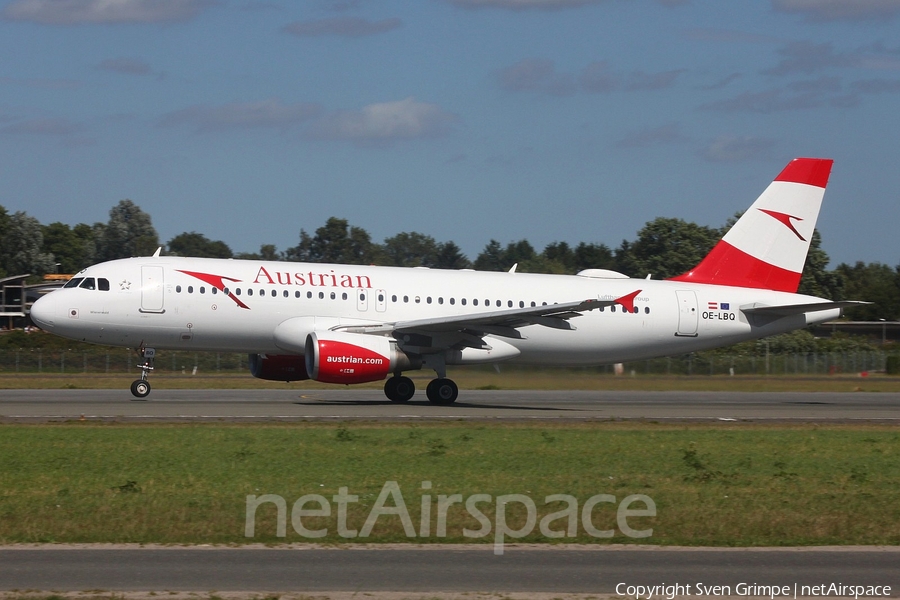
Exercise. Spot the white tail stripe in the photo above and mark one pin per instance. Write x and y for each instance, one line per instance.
(764, 236)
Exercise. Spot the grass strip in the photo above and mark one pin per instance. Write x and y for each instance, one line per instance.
(727, 485)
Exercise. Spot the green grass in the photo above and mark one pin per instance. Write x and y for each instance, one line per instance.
(732, 485)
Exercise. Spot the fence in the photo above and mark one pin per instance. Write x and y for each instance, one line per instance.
(120, 360)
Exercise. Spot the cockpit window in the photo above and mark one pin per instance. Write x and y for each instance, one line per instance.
(73, 282)
(103, 284)
(88, 283)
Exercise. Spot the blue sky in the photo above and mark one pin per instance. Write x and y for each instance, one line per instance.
(467, 120)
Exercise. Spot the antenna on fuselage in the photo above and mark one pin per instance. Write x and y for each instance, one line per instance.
(156, 254)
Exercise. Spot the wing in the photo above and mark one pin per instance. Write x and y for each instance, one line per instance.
(460, 331)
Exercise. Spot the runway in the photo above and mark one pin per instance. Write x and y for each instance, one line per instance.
(368, 404)
(438, 569)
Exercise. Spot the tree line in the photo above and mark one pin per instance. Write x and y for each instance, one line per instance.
(664, 247)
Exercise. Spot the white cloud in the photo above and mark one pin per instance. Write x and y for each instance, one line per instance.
(42, 126)
(666, 134)
(77, 12)
(385, 122)
(768, 101)
(523, 4)
(266, 114)
(839, 10)
(126, 66)
(341, 26)
(535, 75)
(737, 149)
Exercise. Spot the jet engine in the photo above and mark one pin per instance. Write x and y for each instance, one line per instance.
(278, 367)
(338, 357)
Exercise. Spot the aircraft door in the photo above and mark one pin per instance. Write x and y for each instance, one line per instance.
(688, 315)
(152, 289)
(380, 300)
(362, 300)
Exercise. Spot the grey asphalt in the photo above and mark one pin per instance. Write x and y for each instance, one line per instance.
(435, 569)
(349, 403)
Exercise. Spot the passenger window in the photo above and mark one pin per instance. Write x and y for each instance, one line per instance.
(463, 301)
(428, 299)
(286, 294)
(418, 299)
(521, 304)
(202, 290)
(309, 294)
(73, 283)
(237, 292)
(177, 289)
(452, 301)
(498, 303)
(296, 294)
(103, 284)
(475, 302)
(249, 291)
(509, 303)
(321, 295)
(406, 298)
(612, 308)
(214, 291)
(190, 289)
(225, 291)
(393, 298)
(88, 283)
(333, 295)
(646, 310)
(274, 293)
(344, 296)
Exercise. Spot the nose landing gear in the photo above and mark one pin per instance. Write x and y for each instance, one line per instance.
(140, 388)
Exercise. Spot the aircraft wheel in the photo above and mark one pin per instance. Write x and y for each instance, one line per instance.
(442, 391)
(140, 388)
(399, 389)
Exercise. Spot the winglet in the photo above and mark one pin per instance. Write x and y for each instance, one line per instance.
(627, 302)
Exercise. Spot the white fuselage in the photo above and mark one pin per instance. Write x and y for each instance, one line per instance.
(182, 304)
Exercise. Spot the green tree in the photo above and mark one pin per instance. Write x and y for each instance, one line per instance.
(410, 250)
(496, 258)
(4, 227)
(128, 233)
(336, 242)
(73, 248)
(666, 247)
(816, 281)
(593, 256)
(21, 247)
(197, 244)
(872, 282)
(450, 256)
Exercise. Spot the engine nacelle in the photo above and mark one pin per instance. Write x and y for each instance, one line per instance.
(279, 367)
(338, 357)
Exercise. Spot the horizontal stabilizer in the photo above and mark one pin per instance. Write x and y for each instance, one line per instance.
(798, 309)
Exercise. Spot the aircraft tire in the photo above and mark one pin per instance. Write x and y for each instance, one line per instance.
(442, 391)
(399, 389)
(140, 388)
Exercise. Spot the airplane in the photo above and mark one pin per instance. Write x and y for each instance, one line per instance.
(348, 324)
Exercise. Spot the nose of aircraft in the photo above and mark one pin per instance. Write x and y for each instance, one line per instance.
(43, 311)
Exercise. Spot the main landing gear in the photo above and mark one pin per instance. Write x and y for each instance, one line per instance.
(140, 388)
(441, 391)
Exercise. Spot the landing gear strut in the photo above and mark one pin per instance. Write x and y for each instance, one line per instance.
(141, 387)
(399, 388)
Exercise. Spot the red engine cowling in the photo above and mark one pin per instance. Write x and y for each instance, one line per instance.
(337, 357)
(278, 367)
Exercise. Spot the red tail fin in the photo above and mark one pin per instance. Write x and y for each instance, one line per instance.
(767, 247)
